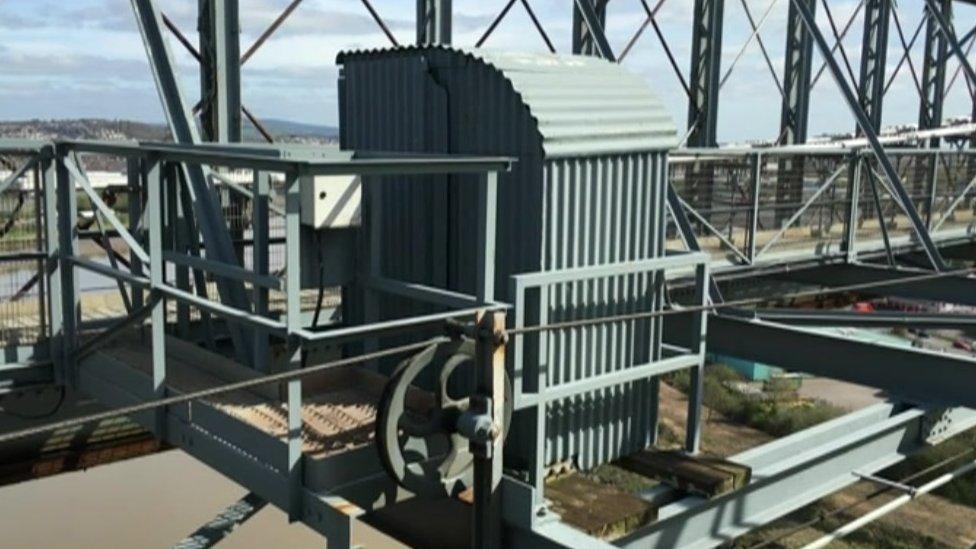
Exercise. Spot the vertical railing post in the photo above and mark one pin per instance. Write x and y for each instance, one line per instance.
(853, 205)
(67, 236)
(489, 399)
(53, 267)
(176, 219)
(134, 198)
(373, 264)
(487, 218)
(260, 259)
(696, 390)
(538, 470)
(293, 288)
(757, 160)
(154, 212)
(42, 315)
(932, 187)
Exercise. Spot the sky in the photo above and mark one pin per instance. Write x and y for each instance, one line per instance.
(84, 58)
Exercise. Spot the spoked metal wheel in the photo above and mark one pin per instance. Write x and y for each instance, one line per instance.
(424, 452)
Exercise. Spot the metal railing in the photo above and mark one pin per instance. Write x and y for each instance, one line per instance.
(756, 206)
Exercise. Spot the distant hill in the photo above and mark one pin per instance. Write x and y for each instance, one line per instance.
(284, 131)
(288, 128)
(84, 128)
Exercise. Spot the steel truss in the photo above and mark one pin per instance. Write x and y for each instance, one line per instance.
(788, 473)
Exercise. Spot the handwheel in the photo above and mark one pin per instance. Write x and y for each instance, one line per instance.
(426, 453)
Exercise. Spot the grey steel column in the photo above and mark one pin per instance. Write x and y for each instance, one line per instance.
(795, 113)
(796, 79)
(434, 22)
(67, 236)
(134, 179)
(943, 18)
(220, 71)
(706, 61)
(210, 218)
(934, 53)
(261, 263)
(54, 265)
(874, 47)
(583, 43)
(154, 213)
(293, 315)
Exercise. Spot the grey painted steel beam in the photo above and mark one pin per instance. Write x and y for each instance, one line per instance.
(912, 375)
(583, 43)
(949, 34)
(794, 471)
(877, 319)
(213, 532)
(687, 233)
(17, 376)
(434, 22)
(934, 50)
(874, 49)
(186, 428)
(949, 289)
(50, 171)
(705, 75)
(796, 79)
(220, 70)
(890, 172)
(216, 236)
(65, 295)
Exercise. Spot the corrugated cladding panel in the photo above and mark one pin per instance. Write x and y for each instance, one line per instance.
(588, 189)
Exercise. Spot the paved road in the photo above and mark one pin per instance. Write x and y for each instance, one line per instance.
(840, 393)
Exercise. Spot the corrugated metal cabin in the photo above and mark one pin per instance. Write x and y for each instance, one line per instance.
(588, 189)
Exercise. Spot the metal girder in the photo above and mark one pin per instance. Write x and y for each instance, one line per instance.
(434, 22)
(220, 71)
(795, 112)
(877, 319)
(796, 79)
(919, 226)
(213, 532)
(949, 289)
(949, 34)
(589, 20)
(934, 52)
(874, 48)
(910, 375)
(216, 236)
(706, 61)
(15, 376)
(795, 471)
(687, 232)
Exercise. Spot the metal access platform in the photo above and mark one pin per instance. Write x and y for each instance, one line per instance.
(290, 398)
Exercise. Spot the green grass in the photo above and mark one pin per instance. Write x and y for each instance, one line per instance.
(778, 416)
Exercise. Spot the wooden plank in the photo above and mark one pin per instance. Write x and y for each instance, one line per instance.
(598, 509)
(705, 476)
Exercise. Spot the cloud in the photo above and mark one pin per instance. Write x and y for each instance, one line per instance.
(85, 57)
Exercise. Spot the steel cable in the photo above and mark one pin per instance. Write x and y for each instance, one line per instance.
(221, 389)
(735, 303)
(393, 351)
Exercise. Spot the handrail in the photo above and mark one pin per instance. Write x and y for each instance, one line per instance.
(198, 155)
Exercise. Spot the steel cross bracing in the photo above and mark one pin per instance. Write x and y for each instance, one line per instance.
(864, 442)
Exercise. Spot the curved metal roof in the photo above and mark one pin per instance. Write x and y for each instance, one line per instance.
(581, 105)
